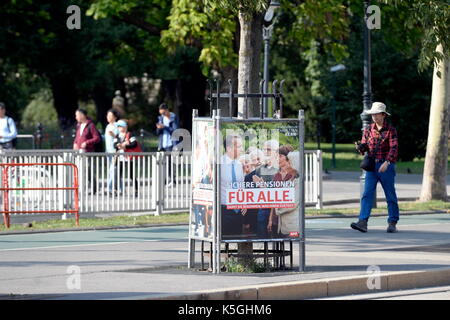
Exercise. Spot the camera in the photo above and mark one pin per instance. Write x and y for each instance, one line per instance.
(361, 147)
(116, 143)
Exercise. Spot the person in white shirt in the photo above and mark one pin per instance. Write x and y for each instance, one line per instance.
(111, 131)
(231, 172)
(8, 130)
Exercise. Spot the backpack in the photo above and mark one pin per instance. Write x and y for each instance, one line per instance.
(100, 146)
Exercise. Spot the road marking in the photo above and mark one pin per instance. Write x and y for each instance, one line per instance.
(93, 244)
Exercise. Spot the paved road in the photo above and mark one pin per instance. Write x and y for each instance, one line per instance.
(134, 263)
(434, 293)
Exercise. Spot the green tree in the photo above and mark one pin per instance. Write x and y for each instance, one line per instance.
(433, 17)
(183, 85)
(77, 65)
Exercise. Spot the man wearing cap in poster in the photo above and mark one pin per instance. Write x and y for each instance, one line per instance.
(380, 141)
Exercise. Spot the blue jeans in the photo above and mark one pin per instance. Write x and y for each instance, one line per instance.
(387, 180)
(111, 173)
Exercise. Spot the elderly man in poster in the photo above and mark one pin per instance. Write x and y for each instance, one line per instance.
(231, 173)
(265, 173)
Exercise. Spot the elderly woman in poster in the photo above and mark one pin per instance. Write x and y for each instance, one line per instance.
(286, 219)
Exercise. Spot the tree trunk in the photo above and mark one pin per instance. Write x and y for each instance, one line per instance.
(435, 171)
(65, 99)
(248, 72)
(249, 61)
(103, 102)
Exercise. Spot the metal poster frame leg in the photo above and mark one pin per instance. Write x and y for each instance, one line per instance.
(301, 132)
(191, 261)
(216, 187)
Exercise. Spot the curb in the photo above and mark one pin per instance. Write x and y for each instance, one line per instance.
(380, 214)
(323, 288)
(321, 216)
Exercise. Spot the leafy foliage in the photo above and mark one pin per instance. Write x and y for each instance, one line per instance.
(211, 29)
(433, 17)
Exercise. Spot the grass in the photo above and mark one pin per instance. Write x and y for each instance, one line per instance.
(101, 222)
(232, 264)
(434, 205)
(347, 159)
(184, 217)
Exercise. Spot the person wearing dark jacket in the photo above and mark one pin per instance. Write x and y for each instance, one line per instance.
(86, 137)
(167, 123)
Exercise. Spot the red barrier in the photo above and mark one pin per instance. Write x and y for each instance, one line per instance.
(6, 190)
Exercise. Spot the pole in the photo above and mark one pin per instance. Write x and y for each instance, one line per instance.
(191, 250)
(301, 221)
(267, 35)
(367, 93)
(333, 123)
(217, 215)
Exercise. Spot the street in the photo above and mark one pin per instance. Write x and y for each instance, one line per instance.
(146, 262)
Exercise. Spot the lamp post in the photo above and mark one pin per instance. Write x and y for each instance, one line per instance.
(367, 91)
(269, 21)
(336, 68)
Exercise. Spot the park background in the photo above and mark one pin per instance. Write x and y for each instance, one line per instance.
(158, 51)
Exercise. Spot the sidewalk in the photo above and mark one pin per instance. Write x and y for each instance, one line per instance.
(342, 188)
(150, 263)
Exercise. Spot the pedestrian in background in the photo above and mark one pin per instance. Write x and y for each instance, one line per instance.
(8, 130)
(86, 137)
(124, 142)
(111, 131)
(167, 123)
(380, 141)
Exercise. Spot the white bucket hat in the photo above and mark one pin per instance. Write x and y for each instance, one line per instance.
(378, 107)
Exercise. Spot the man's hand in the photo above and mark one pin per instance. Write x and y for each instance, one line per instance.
(83, 145)
(269, 225)
(383, 167)
(159, 125)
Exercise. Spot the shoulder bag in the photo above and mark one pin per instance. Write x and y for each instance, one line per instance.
(368, 162)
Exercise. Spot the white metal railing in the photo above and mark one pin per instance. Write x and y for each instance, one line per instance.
(155, 182)
(313, 178)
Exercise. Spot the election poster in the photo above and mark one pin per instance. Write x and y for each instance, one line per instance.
(259, 180)
(202, 180)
